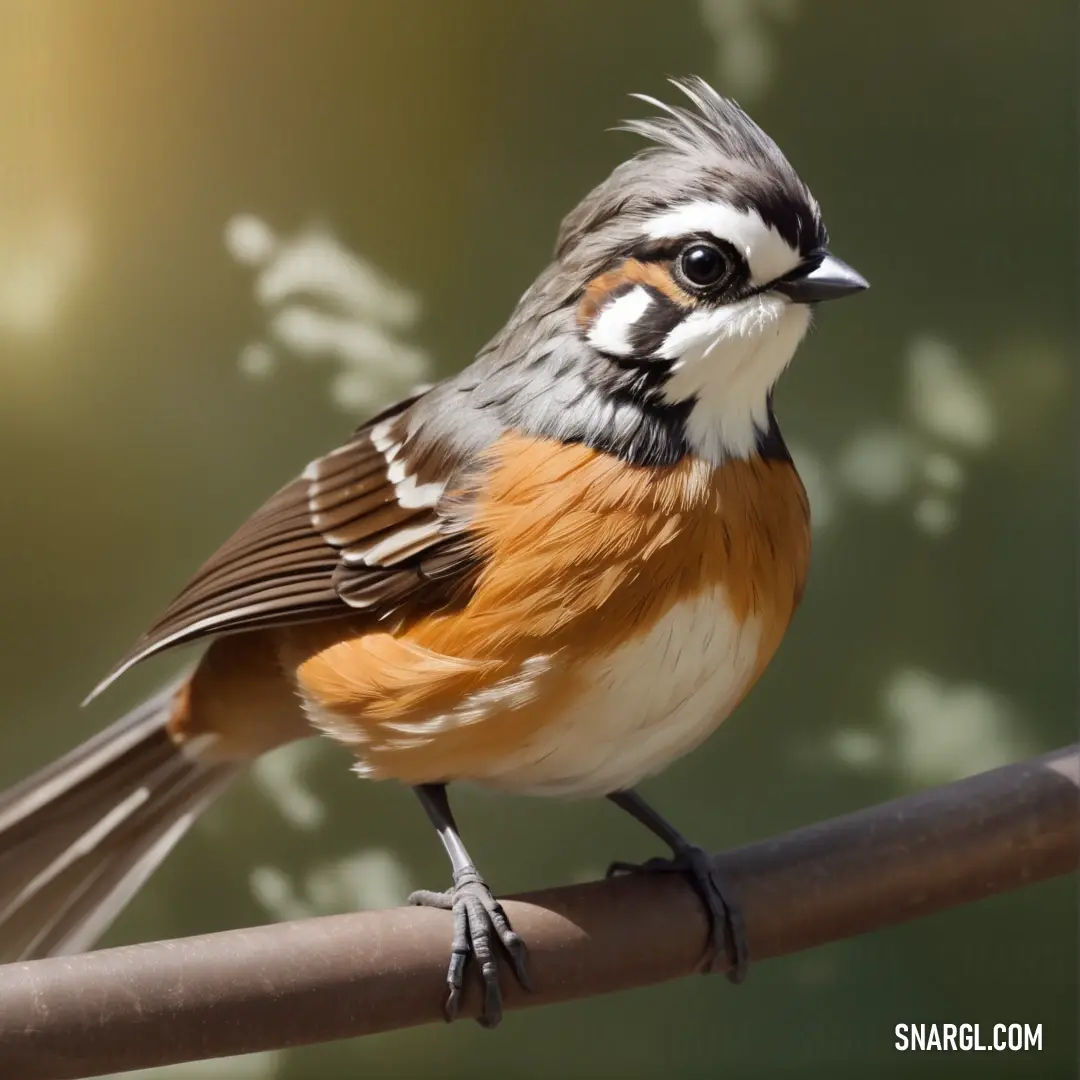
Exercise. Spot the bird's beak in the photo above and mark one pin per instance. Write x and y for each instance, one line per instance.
(821, 278)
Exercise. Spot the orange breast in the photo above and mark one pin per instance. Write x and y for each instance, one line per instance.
(583, 556)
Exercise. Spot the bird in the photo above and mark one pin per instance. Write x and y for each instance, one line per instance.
(552, 573)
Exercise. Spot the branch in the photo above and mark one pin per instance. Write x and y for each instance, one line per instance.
(346, 975)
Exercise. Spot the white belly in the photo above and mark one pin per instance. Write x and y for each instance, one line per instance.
(655, 699)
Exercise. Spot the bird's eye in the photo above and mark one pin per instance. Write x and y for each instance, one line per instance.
(703, 265)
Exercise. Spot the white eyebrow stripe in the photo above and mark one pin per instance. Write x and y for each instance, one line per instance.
(768, 254)
(610, 333)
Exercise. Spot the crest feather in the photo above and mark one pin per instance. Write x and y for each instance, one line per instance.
(707, 148)
(714, 122)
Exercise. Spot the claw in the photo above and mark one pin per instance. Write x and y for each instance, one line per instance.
(519, 958)
(477, 917)
(723, 909)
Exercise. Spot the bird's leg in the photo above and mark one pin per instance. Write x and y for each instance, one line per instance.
(478, 916)
(723, 908)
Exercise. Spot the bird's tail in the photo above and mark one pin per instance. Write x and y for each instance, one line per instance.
(78, 839)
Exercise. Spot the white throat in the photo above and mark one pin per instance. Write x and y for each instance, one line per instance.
(727, 360)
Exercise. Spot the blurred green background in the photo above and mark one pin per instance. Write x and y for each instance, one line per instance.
(228, 228)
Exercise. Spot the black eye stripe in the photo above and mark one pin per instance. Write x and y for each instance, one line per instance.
(669, 249)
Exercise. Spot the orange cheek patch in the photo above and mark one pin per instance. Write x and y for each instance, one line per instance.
(630, 272)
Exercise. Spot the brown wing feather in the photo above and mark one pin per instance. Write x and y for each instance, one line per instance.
(359, 531)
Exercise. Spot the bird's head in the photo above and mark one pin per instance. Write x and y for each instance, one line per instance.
(694, 267)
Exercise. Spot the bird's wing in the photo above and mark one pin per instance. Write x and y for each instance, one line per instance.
(362, 530)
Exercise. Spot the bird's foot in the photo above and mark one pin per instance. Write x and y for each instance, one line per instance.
(723, 909)
(478, 918)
